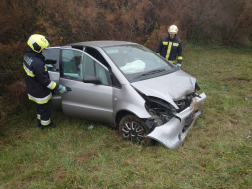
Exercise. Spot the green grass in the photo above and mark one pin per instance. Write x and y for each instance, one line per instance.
(216, 154)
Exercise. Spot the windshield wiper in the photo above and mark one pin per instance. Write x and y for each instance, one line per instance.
(151, 72)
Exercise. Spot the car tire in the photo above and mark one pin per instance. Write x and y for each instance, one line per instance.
(134, 129)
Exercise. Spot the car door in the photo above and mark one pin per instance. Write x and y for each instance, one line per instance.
(86, 100)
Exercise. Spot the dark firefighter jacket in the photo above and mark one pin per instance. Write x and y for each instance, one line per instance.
(38, 83)
(170, 48)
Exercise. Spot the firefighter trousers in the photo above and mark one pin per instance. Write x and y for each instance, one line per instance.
(44, 114)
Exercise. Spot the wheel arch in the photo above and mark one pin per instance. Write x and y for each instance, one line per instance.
(120, 114)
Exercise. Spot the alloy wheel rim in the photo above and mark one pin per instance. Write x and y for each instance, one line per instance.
(133, 131)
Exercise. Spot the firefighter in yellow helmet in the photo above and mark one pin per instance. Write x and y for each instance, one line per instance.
(170, 47)
(38, 83)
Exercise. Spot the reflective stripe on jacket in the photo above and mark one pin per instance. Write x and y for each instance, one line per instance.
(38, 83)
(170, 48)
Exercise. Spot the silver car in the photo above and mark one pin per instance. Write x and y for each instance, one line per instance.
(127, 86)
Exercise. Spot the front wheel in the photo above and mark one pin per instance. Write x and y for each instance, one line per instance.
(134, 129)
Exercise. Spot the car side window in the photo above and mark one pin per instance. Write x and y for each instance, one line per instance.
(101, 72)
(97, 55)
(91, 67)
(71, 61)
(77, 65)
(52, 54)
(88, 66)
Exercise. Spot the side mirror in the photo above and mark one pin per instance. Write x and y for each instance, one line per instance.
(92, 79)
(50, 61)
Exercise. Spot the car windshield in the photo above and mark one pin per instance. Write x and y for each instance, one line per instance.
(137, 61)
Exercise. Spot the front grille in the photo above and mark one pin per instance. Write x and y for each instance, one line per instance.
(188, 121)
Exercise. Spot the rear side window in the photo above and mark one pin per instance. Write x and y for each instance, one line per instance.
(52, 54)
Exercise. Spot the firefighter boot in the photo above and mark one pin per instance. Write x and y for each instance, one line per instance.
(51, 125)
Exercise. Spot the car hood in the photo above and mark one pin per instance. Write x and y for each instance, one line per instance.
(168, 87)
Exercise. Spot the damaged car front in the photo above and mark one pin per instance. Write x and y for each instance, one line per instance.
(170, 125)
(169, 93)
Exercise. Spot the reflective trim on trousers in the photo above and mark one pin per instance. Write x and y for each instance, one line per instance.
(40, 100)
(47, 122)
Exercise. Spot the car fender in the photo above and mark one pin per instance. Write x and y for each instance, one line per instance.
(128, 99)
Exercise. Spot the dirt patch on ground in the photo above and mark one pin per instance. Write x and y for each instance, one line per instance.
(86, 157)
(236, 79)
(60, 174)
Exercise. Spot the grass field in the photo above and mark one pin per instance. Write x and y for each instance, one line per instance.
(217, 153)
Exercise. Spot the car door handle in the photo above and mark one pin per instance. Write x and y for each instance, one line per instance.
(68, 89)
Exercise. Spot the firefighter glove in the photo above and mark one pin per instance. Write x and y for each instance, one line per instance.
(62, 89)
(178, 65)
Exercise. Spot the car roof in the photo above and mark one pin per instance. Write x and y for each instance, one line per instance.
(102, 43)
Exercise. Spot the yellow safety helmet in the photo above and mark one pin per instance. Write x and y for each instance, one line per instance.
(173, 29)
(38, 42)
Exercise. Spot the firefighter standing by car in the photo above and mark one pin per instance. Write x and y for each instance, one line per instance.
(38, 83)
(169, 47)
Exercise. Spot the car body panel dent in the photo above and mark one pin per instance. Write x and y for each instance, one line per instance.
(173, 133)
(167, 87)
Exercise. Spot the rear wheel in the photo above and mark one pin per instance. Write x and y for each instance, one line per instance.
(134, 129)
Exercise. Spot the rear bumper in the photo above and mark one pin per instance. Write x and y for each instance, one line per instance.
(173, 133)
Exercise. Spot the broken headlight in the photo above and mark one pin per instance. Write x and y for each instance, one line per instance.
(185, 101)
(160, 111)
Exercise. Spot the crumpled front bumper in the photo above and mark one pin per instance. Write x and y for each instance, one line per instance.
(173, 133)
